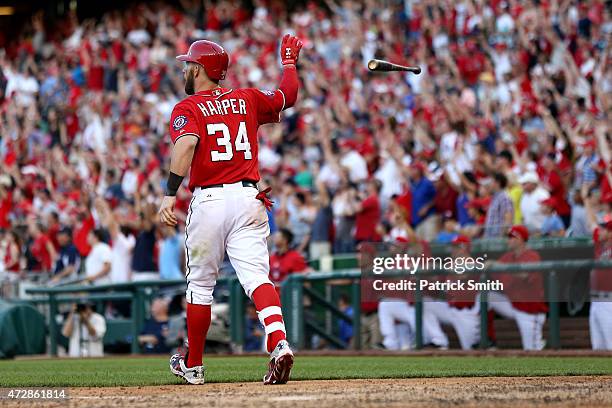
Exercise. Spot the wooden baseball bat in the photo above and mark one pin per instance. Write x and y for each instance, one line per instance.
(386, 66)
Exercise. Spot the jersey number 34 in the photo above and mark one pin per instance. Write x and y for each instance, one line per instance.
(225, 140)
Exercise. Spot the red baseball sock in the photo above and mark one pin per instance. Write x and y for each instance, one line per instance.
(198, 322)
(267, 304)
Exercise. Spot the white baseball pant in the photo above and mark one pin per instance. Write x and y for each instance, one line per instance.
(391, 311)
(530, 326)
(435, 313)
(405, 336)
(393, 314)
(500, 303)
(600, 325)
(221, 219)
(466, 323)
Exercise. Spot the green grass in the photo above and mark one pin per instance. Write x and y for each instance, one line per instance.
(154, 370)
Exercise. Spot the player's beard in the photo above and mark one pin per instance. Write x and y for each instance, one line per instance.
(190, 83)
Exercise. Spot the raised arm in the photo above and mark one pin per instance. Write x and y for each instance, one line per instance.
(107, 218)
(271, 103)
(288, 88)
(324, 198)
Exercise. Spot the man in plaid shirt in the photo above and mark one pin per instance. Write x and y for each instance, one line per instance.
(501, 212)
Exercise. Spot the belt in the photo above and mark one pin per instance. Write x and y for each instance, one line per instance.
(245, 183)
(601, 295)
(462, 307)
(461, 304)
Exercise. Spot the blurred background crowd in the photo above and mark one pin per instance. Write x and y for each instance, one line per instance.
(508, 124)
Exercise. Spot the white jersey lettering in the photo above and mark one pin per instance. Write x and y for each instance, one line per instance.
(234, 106)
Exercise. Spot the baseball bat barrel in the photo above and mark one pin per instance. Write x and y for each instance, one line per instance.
(386, 66)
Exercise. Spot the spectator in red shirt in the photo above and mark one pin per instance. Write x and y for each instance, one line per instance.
(12, 251)
(446, 197)
(6, 200)
(285, 261)
(86, 224)
(42, 250)
(553, 183)
(53, 229)
(368, 213)
(470, 62)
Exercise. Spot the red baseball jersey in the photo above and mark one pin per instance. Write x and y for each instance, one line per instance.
(462, 299)
(525, 290)
(225, 121)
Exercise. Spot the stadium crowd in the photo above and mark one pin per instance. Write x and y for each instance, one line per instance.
(508, 124)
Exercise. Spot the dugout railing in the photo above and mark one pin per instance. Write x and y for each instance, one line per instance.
(309, 300)
(137, 293)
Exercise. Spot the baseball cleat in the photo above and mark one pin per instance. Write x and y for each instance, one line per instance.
(193, 375)
(281, 361)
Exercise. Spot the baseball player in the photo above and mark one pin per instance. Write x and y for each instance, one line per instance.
(464, 310)
(525, 290)
(600, 314)
(214, 132)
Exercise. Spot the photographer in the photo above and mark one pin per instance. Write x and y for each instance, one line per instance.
(84, 329)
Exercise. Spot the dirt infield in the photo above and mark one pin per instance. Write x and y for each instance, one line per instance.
(457, 353)
(591, 391)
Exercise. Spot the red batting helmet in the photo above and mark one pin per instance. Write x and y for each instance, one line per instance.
(209, 55)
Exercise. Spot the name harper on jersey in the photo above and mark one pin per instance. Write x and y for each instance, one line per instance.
(223, 107)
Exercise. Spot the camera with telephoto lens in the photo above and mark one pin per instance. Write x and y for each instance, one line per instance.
(81, 307)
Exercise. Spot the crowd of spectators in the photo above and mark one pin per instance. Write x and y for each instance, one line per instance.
(509, 123)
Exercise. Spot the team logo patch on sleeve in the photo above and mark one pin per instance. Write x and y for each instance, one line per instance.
(267, 92)
(179, 122)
